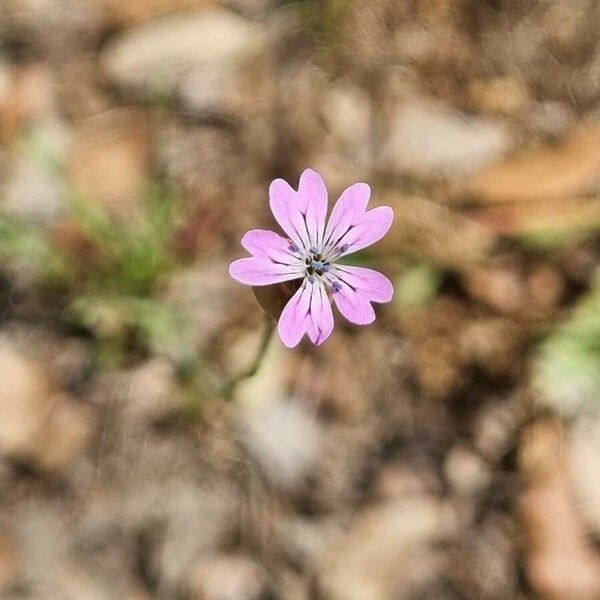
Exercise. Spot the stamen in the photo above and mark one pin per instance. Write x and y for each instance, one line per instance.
(311, 278)
(336, 286)
(293, 247)
(335, 253)
(313, 250)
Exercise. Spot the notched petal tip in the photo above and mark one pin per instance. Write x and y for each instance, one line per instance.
(382, 291)
(233, 269)
(308, 172)
(390, 294)
(280, 186)
(289, 338)
(358, 193)
(385, 216)
(287, 343)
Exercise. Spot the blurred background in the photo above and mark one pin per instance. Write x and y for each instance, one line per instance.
(451, 451)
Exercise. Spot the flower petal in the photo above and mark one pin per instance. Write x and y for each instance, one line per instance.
(351, 227)
(353, 305)
(281, 197)
(300, 214)
(263, 243)
(292, 322)
(313, 198)
(262, 271)
(373, 226)
(349, 209)
(356, 288)
(371, 284)
(321, 315)
(308, 311)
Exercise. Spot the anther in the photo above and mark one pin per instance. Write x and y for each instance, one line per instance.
(293, 247)
(311, 278)
(344, 247)
(336, 286)
(313, 250)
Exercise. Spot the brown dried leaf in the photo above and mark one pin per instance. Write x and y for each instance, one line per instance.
(572, 168)
(568, 215)
(559, 561)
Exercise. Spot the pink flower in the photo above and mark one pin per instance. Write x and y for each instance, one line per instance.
(311, 251)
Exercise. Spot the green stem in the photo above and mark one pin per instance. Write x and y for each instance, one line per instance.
(254, 366)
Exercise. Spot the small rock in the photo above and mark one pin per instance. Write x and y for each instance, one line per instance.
(6, 81)
(212, 92)
(397, 480)
(584, 470)
(559, 560)
(37, 421)
(438, 366)
(436, 355)
(487, 560)
(30, 96)
(466, 471)
(570, 169)
(117, 142)
(500, 95)
(386, 554)
(495, 425)
(347, 112)
(23, 401)
(579, 261)
(198, 520)
(9, 561)
(427, 140)
(34, 193)
(64, 434)
(238, 91)
(77, 581)
(546, 287)
(550, 118)
(156, 54)
(501, 287)
(491, 344)
(227, 577)
(41, 537)
(509, 288)
(151, 390)
(284, 437)
(304, 539)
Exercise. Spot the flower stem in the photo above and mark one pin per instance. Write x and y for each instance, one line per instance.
(230, 386)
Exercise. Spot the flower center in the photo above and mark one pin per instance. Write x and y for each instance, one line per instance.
(315, 265)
